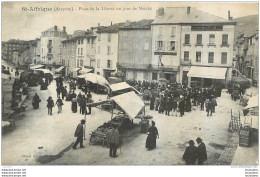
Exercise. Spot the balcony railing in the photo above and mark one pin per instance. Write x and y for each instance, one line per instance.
(147, 66)
(185, 62)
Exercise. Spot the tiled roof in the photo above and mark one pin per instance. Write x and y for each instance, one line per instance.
(75, 37)
(179, 15)
(142, 24)
(110, 29)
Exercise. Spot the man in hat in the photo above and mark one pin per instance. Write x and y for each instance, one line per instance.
(113, 141)
(79, 134)
(202, 152)
(190, 154)
(50, 104)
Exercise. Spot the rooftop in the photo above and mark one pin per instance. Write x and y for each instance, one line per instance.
(110, 29)
(182, 15)
(142, 24)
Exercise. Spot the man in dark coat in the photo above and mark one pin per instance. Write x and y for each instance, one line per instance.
(113, 141)
(202, 152)
(50, 104)
(79, 134)
(190, 155)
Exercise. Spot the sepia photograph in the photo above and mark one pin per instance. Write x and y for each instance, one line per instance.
(129, 84)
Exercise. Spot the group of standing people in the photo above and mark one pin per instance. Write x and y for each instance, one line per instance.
(195, 155)
(174, 96)
(81, 100)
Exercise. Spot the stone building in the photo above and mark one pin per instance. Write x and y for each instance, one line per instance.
(192, 47)
(135, 50)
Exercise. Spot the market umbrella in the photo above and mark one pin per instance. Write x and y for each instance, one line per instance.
(96, 79)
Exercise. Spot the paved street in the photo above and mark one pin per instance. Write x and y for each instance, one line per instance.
(38, 134)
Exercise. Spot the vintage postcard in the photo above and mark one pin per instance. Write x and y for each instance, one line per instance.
(129, 83)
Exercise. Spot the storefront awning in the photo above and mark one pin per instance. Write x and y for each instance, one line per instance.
(130, 103)
(59, 69)
(252, 102)
(121, 86)
(207, 72)
(36, 67)
(75, 69)
(85, 70)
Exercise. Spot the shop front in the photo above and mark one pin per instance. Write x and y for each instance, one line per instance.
(206, 76)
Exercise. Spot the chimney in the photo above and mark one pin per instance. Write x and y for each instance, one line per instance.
(98, 25)
(229, 15)
(55, 28)
(111, 23)
(64, 29)
(188, 10)
(160, 11)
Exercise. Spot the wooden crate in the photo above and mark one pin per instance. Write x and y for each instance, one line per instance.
(244, 139)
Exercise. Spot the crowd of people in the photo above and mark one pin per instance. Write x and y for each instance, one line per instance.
(175, 97)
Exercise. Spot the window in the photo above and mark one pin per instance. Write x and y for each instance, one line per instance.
(154, 76)
(79, 41)
(186, 56)
(88, 39)
(187, 39)
(224, 58)
(99, 37)
(160, 31)
(159, 45)
(109, 37)
(78, 50)
(146, 46)
(98, 49)
(224, 39)
(98, 63)
(50, 42)
(108, 50)
(81, 51)
(81, 62)
(108, 63)
(199, 39)
(49, 50)
(173, 31)
(98, 73)
(68, 62)
(198, 56)
(212, 39)
(211, 57)
(172, 46)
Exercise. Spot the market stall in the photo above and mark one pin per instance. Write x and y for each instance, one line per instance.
(249, 123)
(131, 106)
(120, 88)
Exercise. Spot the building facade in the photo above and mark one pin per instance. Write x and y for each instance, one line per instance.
(51, 47)
(135, 50)
(11, 48)
(188, 41)
(107, 50)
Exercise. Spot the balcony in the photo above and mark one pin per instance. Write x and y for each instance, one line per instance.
(186, 62)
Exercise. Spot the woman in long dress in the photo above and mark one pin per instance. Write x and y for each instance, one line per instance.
(151, 138)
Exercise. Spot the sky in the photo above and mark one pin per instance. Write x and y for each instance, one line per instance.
(19, 23)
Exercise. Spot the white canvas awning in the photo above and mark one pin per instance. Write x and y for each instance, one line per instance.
(207, 72)
(85, 70)
(59, 69)
(36, 67)
(75, 69)
(122, 86)
(252, 102)
(130, 103)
